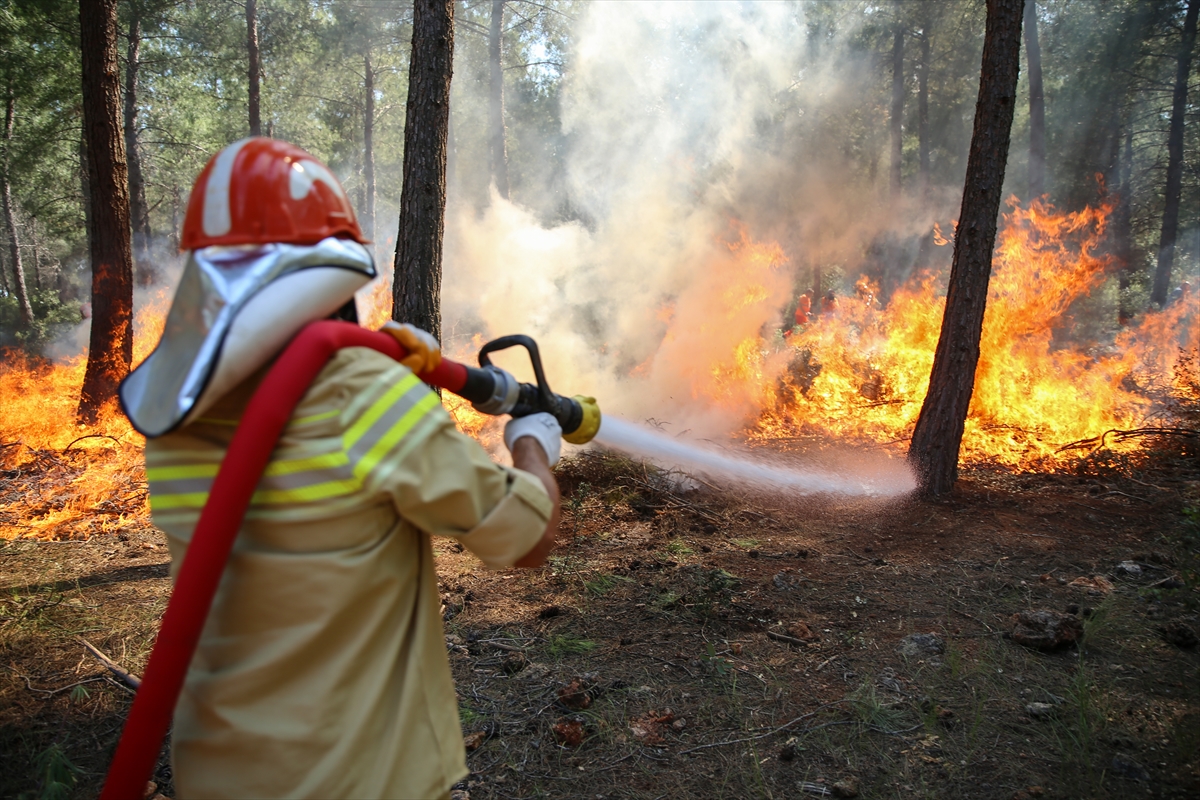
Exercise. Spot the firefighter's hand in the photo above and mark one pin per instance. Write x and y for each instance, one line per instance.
(424, 352)
(541, 427)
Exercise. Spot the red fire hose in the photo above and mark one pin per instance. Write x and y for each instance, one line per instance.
(249, 452)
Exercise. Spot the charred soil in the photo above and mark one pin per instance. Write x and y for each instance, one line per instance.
(685, 641)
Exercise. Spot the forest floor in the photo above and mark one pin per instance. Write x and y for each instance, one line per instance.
(705, 643)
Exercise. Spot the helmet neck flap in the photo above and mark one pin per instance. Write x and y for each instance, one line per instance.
(235, 309)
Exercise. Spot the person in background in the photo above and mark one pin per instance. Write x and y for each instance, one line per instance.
(803, 309)
(829, 303)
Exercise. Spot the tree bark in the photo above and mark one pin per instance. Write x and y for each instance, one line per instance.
(85, 188)
(497, 149)
(110, 348)
(368, 215)
(139, 211)
(1170, 223)
(896, 121)
(1037, 105)
(417, 287)
(253, 67)
(939, 430)
(10, 221)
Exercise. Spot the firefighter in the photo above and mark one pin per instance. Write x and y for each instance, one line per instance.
(322, 669)
(803, 309)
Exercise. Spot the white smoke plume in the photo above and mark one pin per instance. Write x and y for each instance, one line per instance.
(677, 166)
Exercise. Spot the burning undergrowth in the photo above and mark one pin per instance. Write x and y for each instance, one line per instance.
(860, 372)
(1050, 393)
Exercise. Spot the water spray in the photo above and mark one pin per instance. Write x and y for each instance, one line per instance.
(881, 481)
(495, 391)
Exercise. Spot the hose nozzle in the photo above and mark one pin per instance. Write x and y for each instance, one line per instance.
(589, 424)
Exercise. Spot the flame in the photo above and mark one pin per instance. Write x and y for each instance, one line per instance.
(70, 481)
(856, 372)
(862, 374)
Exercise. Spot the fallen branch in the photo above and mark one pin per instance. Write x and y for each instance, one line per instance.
(1096, 442)
(783, 637)
(802, 731)
(1130, 496)
(91, 436)
(127, 677)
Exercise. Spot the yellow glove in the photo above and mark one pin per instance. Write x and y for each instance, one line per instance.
(424, 352)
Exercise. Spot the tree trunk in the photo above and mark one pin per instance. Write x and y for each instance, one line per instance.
(110, 348)
(897, 107)
(1123, 230)
(368, 215)
(1170, 223)
(497, 152)
(10, 221)
(417, 287)
(139, 212)
(85, 188)
(1037, 105)
(939, 430)
(253, 68)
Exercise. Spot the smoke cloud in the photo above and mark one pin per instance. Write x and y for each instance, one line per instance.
(701, 134)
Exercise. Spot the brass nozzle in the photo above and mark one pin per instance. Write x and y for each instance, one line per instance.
(590, 425)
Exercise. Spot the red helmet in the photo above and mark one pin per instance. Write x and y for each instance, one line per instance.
(261, 190)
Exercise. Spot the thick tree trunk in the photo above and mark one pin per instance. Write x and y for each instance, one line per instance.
(497, 150)
(1170, 223)
(1037, 105)
(110, 348)
(368, 215)
(139, 212)
(896, 120)
(417, 287)
(85, 188)
(939, 430)
(253, 67)
(10, 221)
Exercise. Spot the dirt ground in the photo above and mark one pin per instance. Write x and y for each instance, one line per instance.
(705, 643)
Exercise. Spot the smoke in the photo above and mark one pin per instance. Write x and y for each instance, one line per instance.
(710, 165)
(150, 305)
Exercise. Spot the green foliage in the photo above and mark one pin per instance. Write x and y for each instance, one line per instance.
(678, 547)
(564, 644)
(604, 583)
(716, 664)
(870, 710)
(51, 314)
(1188, 557)
(468, 716)
(55, 773)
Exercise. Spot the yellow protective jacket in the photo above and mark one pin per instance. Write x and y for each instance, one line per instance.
(322, 669)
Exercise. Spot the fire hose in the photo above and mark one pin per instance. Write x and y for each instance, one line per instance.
(490, 389)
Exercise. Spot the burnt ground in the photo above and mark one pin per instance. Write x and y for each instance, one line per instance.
(700, 643)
